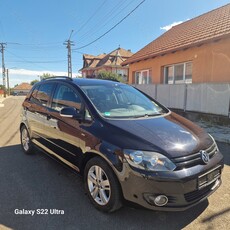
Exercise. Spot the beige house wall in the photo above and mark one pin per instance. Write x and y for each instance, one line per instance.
(211, 63)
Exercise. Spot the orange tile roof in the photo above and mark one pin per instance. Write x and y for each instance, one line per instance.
(116, 57)
(23, 86)
(207, 27)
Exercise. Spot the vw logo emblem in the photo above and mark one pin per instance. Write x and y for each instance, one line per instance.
(204, 156)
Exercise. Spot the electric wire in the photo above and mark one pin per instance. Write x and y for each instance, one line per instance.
(97, 27)
(91, 17)
(95, 40)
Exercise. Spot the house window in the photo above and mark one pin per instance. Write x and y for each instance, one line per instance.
(142, 77)
(178, 73)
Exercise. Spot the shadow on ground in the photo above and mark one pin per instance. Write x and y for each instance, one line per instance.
(36, 181)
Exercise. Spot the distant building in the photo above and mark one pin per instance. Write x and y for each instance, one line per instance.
(195, 51)
(22, 89)
(108, 62)
(1, 92)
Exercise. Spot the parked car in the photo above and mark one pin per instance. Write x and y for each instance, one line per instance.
(126, 145)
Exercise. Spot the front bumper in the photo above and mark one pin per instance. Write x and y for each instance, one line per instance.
(184, 188)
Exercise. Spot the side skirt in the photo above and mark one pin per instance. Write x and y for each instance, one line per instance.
(55, 155)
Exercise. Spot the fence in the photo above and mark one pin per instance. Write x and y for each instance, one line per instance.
(211, 98)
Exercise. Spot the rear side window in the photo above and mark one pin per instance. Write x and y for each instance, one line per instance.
(41, 95)
(65, 96)
(34, 95)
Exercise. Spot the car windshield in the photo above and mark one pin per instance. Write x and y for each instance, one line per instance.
(121, 101)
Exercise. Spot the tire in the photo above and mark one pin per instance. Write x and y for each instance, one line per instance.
(26, 143)
(102, 186)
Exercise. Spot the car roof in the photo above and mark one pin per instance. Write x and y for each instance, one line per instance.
(90, 81)
(81, 81)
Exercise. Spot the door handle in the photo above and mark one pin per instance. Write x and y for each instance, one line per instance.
(48, 117)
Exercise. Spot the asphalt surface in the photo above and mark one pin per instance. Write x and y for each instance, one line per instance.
(36, 182)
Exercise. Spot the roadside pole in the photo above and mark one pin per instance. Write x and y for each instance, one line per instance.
(8, 82)
(3, 68)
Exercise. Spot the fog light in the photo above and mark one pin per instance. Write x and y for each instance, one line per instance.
(161, 200)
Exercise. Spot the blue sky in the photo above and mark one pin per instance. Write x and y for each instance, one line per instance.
(36, 30)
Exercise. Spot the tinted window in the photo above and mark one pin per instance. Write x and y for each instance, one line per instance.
(33, 97)
(43, 94)
(65, 96)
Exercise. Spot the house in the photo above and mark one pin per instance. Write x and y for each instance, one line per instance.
(195, 51)
(22, 89)
(111, 62)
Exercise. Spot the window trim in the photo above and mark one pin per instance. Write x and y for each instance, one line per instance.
(141, 72)
(173, 66)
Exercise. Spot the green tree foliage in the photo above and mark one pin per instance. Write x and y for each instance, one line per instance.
(105, 75)
(45, 75)
(33, 82)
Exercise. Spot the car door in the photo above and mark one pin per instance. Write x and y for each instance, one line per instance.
(64, 134)
(37, 110)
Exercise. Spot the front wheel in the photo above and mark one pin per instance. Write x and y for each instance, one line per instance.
(26, 143)
(102, 186)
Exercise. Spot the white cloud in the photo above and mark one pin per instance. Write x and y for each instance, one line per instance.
(168, 27)
(35, 72)
(17, 76)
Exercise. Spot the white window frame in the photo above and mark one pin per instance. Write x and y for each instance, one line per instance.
(141, 76)
(173, 66)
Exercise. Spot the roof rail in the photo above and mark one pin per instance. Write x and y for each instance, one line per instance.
(57, 77)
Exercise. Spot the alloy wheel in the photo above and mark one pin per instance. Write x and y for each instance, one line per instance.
(25, 139)
(99, 185)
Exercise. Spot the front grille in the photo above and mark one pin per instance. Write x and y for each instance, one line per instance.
(194, 159)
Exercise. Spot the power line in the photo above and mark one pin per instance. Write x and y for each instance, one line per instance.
(89, 19)
(104, 19)
(112, 27)
(24, 60)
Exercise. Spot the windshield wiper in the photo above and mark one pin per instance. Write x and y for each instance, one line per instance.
(148, 115)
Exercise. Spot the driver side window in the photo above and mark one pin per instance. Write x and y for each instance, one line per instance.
(65, 96)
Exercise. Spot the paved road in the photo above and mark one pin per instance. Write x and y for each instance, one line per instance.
(38, 182)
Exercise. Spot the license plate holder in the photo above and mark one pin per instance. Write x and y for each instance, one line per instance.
(209, 177)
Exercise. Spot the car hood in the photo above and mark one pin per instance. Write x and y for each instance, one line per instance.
(172, 135)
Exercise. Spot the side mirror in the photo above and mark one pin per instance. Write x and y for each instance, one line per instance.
(71, 113)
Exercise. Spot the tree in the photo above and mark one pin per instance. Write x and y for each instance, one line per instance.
(45, 75)
(105, 75)
(33, 82)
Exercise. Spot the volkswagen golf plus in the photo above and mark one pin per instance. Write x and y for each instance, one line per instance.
(126, 145)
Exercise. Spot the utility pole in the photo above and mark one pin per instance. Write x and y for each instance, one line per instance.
(8, 82)
(3, 45)
(68, 44)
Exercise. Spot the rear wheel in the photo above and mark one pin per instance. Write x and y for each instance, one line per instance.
(102, 186)
(26, 143)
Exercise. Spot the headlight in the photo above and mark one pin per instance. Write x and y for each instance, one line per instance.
(150, 161)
